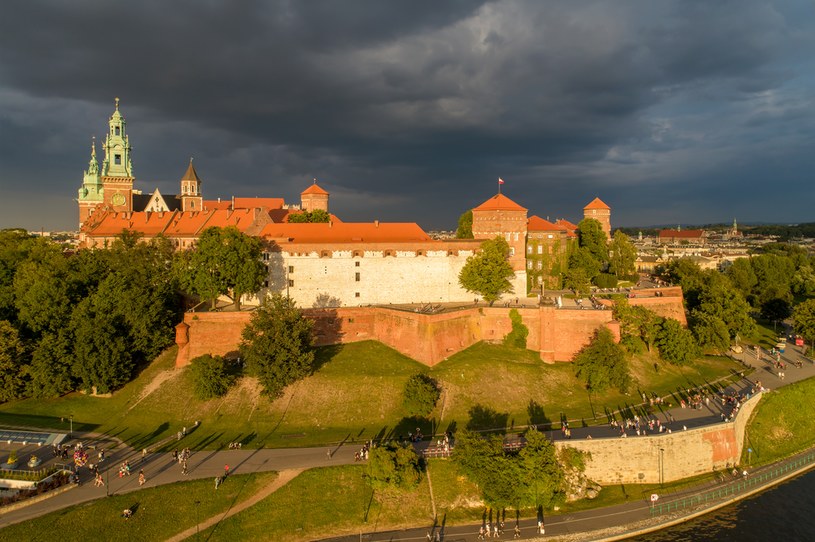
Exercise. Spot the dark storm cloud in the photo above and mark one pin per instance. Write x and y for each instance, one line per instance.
(411, 110)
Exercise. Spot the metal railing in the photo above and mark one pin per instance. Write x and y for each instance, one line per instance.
(735, 487)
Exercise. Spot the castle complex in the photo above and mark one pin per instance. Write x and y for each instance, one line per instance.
(324, 264)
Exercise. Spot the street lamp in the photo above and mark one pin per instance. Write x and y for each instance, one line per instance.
(71, 433)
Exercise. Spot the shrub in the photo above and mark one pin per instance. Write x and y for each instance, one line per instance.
(393, 467)
(633, 344)
(517, 337)
(420, 395)
(605, 280)
(210, 376)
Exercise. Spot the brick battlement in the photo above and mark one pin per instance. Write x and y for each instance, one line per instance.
(428, 338)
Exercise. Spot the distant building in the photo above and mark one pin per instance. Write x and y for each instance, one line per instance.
(674, 237)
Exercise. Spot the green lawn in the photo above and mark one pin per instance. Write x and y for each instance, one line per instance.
(354, 395)
(325, 502)
(782, 425)
(101, 519)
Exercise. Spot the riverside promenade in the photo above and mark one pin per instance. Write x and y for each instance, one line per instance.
(604, 523)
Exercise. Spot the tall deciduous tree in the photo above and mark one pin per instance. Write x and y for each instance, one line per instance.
(622, 255)
(488, 272)
(314, 216)
(277, 344)
(223, 261)
(583, 268)
(540, 470)
(592, 237)
(804, 316)
(710, 331)
(676, 343)
(12, 383)
(393, 467)
(465, 225)
(603, 364)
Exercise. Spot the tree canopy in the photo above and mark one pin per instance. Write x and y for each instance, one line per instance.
(622, 255)
(313, 216)
(420, 395)
(804, 316)
(602, 363)
(225, 261)
(488, 272)
(676, 343)
(393, 466)
(277, 344)
(465, 225)
(592, 237)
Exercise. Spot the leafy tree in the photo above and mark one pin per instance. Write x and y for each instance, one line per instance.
(742, 276)
(210, 376)
(393, 467)
(583, 268)
(622, 255)
(50, 372)
(686, 273)
(676, 344)
(541, 471)
(485, 463)
(420, 395)
(277, 344)
(718, 298)
(602, 364)
(776, 309)
(804, 316)
(710, 331)
(102, 355)
(224, 260)
(313, 216)
(488, 272)
(517, 337)
(42, 291)
(774, 273)
(803, 282)
(592, 237)
(465, 225)
(12, 350)
(15, 246)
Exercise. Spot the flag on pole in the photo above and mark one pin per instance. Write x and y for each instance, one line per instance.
(500, 180)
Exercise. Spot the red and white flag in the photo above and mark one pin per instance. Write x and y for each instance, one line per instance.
(500, 180)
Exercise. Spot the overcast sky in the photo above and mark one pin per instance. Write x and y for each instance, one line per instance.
(671, 112)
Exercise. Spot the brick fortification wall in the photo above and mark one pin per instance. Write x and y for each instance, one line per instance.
(681, 454)
(558, 334)
(666, 302)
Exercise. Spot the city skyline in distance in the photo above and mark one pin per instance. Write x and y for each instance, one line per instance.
(672, 113)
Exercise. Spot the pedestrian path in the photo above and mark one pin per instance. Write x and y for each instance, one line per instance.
(283, 478)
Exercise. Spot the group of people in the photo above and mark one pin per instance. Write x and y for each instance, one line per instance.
(182, 458)
(362, 454)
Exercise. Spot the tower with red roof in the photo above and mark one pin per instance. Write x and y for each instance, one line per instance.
(601, 212)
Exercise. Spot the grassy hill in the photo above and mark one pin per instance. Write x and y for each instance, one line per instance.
(354, 395)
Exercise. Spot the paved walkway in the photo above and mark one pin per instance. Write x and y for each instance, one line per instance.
(160, 469)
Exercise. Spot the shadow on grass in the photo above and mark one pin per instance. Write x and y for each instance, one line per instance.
(31, 421)
(484, 418)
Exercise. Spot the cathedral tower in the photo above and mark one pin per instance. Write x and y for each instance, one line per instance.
(191, 199)
(117, 168)
(90, 194)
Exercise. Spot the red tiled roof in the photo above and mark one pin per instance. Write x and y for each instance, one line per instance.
(254, 203)
(110, 223)
(215, 204)
(682, 234)
(536, 223)
(346, 232)
(596, 203)
(314, 189)
(566, 224)
(189, 223)
(499, 202)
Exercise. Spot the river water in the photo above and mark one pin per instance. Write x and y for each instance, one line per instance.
(785, 513)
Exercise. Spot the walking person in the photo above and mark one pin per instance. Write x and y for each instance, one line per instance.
(226, 471)
(142, 479)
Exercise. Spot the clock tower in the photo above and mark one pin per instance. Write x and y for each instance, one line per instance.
(117, 168)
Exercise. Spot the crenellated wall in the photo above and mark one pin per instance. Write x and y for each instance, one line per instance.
(676, 455)
(558, 334)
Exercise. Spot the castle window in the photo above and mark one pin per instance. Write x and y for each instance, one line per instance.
(117, 130)
(529, 249)
(291, 269)
(357, 254)
(192, 205)
(357, 277)
(356, 294)
(512, 251)
(529, 264)
(117, 159)
(540, 279)
(540, 249)
(540, 265)
(356, 264)
(291, 283)
(325, 254)
(550, 236)
(265, 256)
(265, 283)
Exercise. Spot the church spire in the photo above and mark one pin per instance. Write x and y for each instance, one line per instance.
(117, 162)
(93, 164)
